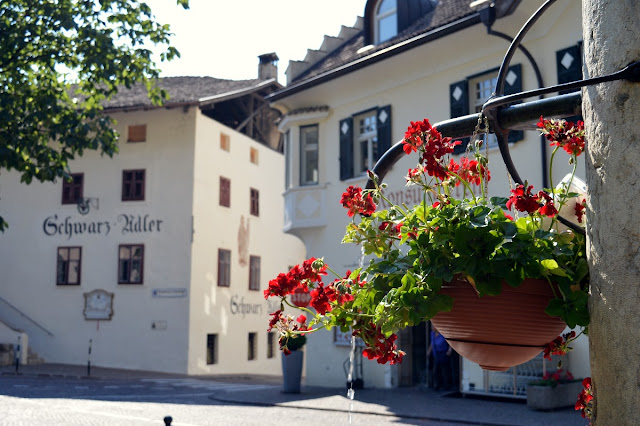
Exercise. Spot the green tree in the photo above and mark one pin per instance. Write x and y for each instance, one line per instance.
(59, 60)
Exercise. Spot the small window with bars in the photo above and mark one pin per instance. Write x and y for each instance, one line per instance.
(224, 268)
(212, 349)
(225, 192)
(252, 343)
(255, 202)
(254, 272)
(271, 344)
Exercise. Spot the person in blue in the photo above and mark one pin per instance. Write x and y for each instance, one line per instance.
(441, 351)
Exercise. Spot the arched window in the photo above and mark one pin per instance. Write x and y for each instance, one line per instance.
(386, 20)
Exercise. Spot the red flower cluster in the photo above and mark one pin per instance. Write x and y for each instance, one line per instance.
(288, 327)
(579, 209)
(413, 136)
(422, 136)
(557, 375)
(559, 345)
(564, 134)
(469, 171)
(321, 296)
(353, 200)
(547, 209)
(524, 201)
(585, 399)
(299, 276)
(391, 229)
(382, 349)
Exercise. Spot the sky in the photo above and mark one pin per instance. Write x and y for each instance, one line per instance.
(223, 39)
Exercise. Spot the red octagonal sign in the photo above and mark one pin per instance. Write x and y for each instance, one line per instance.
(300, 298)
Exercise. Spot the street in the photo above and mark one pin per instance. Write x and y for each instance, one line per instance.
(49, 401)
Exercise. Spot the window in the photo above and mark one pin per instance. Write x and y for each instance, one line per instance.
(133, 185)
(137, 133)
(271, 345)
(69, 263)
(482, 88)
(386, 20)
(364, 138)
(287, 159)
(366, 142)
(469, 94)
(254, 273)
(255, 202)
(225, 192)
(253, 338)
(130, 263)
(309, 155)
(72, 190)
(225, 142)
(224, 268)
(212, 349)
(253, 155)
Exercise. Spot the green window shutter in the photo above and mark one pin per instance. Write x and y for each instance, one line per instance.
(459, 106)
(346, 148)
(512, 85)
(384, 130)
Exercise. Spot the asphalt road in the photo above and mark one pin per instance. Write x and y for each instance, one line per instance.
(52, 401)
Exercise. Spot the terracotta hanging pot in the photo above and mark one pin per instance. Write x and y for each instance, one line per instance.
(498, 332)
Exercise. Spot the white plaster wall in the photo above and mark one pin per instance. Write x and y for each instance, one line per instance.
(416, 85)
(28, 255)
(219, 227)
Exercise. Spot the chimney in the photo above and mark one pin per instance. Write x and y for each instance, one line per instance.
(268, 66)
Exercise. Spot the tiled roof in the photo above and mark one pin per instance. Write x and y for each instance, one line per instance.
(182, 90)
(445, 12)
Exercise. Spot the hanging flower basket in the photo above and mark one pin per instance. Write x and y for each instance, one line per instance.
(478, 266)
(498, 332)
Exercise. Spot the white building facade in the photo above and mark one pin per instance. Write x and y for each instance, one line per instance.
(348, 102)
(158, 257)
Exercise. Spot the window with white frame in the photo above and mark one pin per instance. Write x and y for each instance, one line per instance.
(309, 155)
(386, 20)
(364, 138)
(287, 159)
(366, 142)
(482, 88)
(467, 96)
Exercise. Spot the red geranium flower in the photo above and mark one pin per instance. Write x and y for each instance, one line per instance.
(547, 209)
(564, 134)
(579, 209)
(523, 200)
(353, 200)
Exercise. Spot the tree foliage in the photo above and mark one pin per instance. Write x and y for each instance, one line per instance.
(60, 59)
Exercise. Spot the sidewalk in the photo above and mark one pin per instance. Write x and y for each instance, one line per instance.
(413, 404)
(410, 403)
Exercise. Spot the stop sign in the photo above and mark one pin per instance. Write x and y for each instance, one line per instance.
(300, 298)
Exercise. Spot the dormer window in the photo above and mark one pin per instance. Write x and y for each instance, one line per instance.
(386, 20)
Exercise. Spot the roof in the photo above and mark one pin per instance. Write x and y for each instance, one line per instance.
(447, 16)
(188, 91)
(445, 12)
